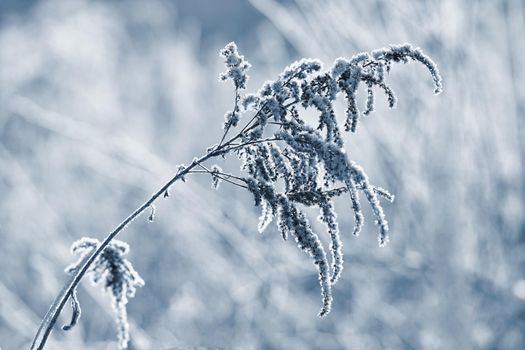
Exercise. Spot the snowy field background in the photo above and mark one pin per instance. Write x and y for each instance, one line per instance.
(100, 100)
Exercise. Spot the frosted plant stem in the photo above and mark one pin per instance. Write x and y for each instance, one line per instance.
(54, 311)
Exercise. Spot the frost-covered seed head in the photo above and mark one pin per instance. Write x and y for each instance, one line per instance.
(236, 66)
(117, 274)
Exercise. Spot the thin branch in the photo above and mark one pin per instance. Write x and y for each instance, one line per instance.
(51, 316)
(221, 176)
(254, 142)
(235, 108)
(211, 172)
(279, 123)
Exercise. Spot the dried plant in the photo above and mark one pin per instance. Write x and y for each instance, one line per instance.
(285, 163)
(119, 276)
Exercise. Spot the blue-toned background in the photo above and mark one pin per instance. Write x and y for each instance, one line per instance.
(100, 100)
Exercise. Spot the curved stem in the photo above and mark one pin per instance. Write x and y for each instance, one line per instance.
(52, 314)
(50, 319)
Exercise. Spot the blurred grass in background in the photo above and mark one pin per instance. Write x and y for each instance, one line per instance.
(100, 100)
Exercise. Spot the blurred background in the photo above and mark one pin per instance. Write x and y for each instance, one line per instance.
(100, 100)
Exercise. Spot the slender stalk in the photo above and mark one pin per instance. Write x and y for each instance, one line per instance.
(222, 177)
(235, 110)
(208, 171)
(52, 314)
(250, 143)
